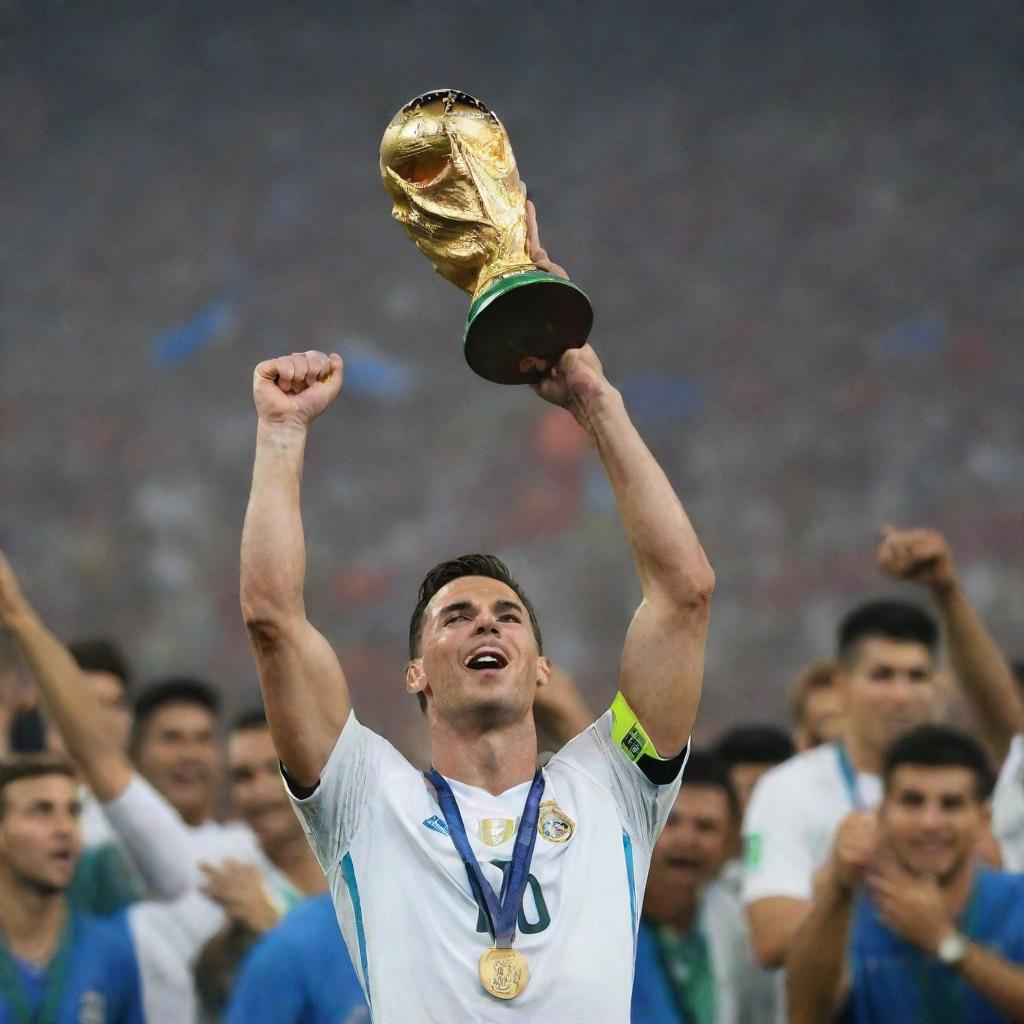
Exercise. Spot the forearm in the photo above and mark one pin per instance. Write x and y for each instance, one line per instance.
(273, 559)
(816, 963)
(669, 559)
(982, 671)
(72, 707)
(999, 981)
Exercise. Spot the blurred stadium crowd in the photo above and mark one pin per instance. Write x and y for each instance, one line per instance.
(793, 222)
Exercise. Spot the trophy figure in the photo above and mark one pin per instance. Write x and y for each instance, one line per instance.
(448, 166)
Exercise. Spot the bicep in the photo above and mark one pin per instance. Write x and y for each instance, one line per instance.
(774, 922)
(662, 669)
(304, 693)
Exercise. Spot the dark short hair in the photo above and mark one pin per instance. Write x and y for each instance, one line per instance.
(941, 746)
(754, 744)
(98, 654)
(706, 768)
(254, 718)
(890, 620)
(30, 766)
(465, 565)
(176, 690)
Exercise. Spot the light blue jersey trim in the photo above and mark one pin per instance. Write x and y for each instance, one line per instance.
(357, 909)
(627, 850)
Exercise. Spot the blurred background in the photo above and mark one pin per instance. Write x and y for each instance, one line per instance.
(801, 226)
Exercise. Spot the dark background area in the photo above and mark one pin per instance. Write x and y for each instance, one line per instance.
(801, 226)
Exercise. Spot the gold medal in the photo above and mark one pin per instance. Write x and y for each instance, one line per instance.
(554, 824)
(504, 972)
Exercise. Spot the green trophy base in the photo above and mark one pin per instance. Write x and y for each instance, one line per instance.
(532, 313)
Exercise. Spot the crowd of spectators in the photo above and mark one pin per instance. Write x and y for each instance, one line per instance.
(848, 869)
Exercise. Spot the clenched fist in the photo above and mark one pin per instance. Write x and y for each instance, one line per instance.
(921, 556)
(854, 848)
(295, 389)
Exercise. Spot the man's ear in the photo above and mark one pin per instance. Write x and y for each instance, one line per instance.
(543, 671)
(415, 677)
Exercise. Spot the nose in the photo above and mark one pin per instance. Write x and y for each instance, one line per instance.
(487, 623)
(904, 691)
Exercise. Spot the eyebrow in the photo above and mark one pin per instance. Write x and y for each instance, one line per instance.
(501, 605)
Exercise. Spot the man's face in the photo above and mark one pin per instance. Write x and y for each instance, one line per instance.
(177, 750)
(40, 837)
(256, 787)
(690, 852)
(932, 818)
(114, 707)
(822, 720)
(478, 655)
(890, 688)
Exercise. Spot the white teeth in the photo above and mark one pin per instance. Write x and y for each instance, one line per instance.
(484, 661)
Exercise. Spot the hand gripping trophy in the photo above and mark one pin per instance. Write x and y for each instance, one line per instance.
(448, 166)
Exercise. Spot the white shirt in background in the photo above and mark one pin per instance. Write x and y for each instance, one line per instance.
(791, 821)
(1008, 807)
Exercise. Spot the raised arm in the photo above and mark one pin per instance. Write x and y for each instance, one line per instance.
(816, 974)
(663, 658)
(157, 840)
(304, 688)
(924, 557)
(72, 706)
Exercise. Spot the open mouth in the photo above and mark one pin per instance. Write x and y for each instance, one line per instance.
(486, 658)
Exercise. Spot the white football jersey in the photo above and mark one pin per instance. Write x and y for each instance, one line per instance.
(404, 902)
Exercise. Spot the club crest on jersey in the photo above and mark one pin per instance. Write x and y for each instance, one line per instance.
(496, 831)
(554, 824)
(92, 1009)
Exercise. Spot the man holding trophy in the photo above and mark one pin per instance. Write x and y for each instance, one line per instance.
(487, 888)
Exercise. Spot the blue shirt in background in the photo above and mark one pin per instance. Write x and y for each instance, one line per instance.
(300, 973)
(101, 983)
(894, 981)
(653, 1000)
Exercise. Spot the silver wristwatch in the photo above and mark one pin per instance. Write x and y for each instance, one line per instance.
(952, 949)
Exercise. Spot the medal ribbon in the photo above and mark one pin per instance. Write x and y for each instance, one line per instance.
(849, 775)
(56, 975)
(499, 913)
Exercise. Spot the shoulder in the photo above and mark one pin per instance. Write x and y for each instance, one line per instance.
(105, 938)
(812, 768)
(310, 925)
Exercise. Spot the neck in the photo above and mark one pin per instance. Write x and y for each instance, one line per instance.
(292, 856)
(31, 919)
(863, 757)
(956, 889)
(494, 759)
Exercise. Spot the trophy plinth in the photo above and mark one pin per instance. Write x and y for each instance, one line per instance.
(520, 325)
(446, 162)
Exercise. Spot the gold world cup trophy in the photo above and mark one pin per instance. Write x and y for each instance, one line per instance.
(448, 166)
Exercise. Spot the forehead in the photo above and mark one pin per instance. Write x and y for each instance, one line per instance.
(874, 651)
(702, 801)
(480, 591)
(246, 745)
(56, 788)
(182, 716)
(951, 779)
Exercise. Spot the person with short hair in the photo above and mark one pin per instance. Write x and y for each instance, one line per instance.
(816, 704)
(418, 865)
(57, 963)
(888, 656)
(693, 963)
(748, 751)
(904, 924)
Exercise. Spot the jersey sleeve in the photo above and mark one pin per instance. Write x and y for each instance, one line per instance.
(642, 804)
(777, 859)
(333, 811)
(156, 839)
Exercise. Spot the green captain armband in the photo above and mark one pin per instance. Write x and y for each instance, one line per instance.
(632, 740)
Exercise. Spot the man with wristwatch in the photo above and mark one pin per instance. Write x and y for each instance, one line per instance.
(905, 925)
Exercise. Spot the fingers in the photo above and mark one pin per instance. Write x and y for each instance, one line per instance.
(301, 370)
